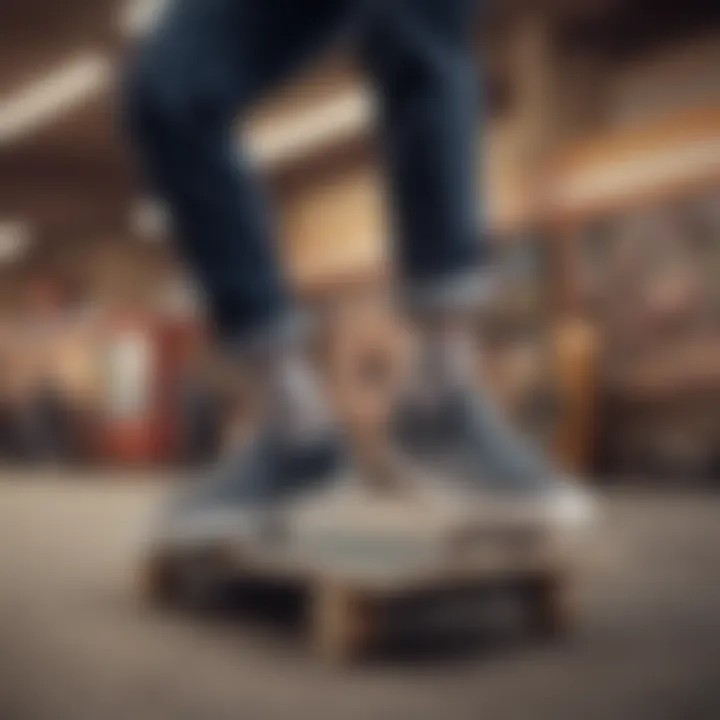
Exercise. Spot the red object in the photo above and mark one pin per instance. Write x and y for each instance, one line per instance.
(130, 435)
(146, 359)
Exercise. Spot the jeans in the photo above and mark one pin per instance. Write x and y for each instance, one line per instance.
(206, 61)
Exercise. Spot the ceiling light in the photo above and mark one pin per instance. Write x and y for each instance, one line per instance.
(15, 240)
(308, 131)
(138, 16)
(54, 94)
(148, 220)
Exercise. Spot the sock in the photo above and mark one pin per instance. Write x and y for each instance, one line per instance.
(449, 357)
(297, 405)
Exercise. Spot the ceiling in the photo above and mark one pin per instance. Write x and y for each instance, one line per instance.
(71, 175)
(46, 174)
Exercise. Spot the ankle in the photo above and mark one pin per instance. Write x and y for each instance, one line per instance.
(297, 407)
(449, 359)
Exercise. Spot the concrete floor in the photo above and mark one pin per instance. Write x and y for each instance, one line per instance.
(75, 645)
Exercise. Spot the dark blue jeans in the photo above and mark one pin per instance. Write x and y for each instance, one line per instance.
(208, 60)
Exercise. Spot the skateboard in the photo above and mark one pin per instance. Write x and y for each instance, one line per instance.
(355, 550)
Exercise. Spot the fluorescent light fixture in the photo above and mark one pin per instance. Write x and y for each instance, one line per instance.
(621, 179)
(75, 81)
(53, 95)
(15, 240)
(148, 220)
(179, 297)
(138, 16)
(303, 133)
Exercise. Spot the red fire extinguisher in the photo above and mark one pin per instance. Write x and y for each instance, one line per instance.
(130, 407)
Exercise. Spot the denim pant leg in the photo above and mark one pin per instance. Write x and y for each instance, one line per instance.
(420, 56)
(199, 68)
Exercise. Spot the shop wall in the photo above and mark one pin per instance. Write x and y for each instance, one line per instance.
(672, 79)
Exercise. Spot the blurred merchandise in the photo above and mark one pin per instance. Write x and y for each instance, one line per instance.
(646, 262)
(601, 183)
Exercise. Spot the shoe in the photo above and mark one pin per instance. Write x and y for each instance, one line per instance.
(466, 439)
(242, 495)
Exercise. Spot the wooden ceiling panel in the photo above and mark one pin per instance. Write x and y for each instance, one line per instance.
(35, 35)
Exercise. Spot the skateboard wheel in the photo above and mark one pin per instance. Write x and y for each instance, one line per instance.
(551, 606)
(157, 586)
(342, 623)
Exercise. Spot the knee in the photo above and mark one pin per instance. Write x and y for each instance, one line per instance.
(145, 111)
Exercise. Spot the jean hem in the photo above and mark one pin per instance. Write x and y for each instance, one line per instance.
(274, 336)
(463, 291)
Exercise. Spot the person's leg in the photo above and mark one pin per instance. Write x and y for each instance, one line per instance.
(420, 56)
(190, 79)
(201, 67)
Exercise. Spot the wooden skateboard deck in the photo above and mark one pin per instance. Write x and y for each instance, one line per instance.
(353, 550)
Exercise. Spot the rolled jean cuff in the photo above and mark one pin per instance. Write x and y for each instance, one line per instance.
(278, 334)
(460, 292)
